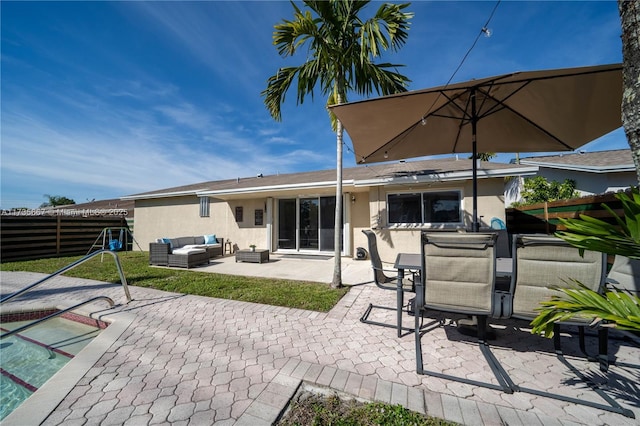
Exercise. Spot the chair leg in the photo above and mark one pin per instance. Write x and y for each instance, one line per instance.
(505, 383)
(603, 347)
(365, 318)
(557, 344)
(418, 316)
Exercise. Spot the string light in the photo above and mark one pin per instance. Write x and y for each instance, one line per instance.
(487, 33)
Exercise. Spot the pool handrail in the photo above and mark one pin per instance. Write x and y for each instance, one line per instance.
(56, 314)
(123, 280)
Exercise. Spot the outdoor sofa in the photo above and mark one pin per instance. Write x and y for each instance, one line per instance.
(185, 252)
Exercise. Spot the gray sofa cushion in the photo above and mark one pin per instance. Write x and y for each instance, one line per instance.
(182, 241)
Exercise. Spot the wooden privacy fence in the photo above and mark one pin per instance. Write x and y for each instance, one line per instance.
(35, 237)
(544, 217)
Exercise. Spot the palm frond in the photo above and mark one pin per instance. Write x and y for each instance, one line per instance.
(621, 238)
(277, 87)
(614, 309)
(340, 47)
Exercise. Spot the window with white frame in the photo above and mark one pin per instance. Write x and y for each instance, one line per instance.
(425, 207)
(204, 206)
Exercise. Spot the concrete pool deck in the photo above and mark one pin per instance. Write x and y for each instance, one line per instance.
(191, 360)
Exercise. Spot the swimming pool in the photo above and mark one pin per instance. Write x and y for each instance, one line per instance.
(29, 359)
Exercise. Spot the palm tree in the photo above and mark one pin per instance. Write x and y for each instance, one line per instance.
(340, 48)
(630, 22)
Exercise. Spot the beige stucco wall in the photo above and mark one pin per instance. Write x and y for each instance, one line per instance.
(394, 239)
(179, 216)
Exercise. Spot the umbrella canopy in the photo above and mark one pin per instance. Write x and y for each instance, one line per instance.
(535, 111)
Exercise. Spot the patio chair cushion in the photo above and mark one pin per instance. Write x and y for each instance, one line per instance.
(625, 275)
(544, 262)
(459, 272)
(188, 250)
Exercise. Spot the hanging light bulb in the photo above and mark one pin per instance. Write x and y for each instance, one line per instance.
(487, 32)
(423, 121)
(386, 154)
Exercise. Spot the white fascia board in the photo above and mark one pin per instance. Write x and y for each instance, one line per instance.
(160, 195)
(447, 176)
(578, 168)
(272, 188)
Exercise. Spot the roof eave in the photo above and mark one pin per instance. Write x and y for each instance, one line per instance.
(160, 195)
(272, 188)
(579, 168)
(448, 176)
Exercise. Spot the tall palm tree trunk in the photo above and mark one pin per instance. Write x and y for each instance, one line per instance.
(337, 266)
(630, 19)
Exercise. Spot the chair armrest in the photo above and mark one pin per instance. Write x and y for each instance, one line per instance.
(159, 253)
(160, 247)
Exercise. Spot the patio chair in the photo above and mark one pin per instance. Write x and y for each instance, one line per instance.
(542, 262)
(459, 278)
(624, 275)
(385, 282)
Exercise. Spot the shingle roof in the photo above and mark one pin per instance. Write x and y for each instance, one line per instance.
(366, 172)
(620, 158)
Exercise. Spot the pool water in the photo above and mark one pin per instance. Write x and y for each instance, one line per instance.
(30, 358)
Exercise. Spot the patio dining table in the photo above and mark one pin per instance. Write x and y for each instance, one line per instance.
(413, 262)
(408, 261)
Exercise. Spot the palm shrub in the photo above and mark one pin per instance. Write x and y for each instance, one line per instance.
(613, 308)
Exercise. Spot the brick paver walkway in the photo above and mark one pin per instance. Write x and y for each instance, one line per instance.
(190, 360)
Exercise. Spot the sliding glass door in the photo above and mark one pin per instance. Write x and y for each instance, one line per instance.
(309, 225)
(287, 226)
(306, 224)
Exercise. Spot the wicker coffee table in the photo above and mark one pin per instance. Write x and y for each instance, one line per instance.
(257, 256)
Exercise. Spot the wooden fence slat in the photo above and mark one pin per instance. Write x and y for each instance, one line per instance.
(544, 217)
(33, 237)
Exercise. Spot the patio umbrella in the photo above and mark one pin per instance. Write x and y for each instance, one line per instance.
(534, 111)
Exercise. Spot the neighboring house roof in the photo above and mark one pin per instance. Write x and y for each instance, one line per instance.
(440, 170)
(593, 162)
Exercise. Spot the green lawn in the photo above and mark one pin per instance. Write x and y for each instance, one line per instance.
(288, 293)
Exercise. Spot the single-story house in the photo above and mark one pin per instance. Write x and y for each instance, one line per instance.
(295, 213)
(594, 172)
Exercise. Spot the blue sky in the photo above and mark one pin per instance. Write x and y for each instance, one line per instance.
(105, 99)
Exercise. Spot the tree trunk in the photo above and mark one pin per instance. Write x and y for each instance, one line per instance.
(337, 266)
(630, 17)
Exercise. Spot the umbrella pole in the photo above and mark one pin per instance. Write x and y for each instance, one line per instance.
(475, 226)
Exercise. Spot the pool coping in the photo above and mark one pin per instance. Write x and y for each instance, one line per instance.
(35, 409)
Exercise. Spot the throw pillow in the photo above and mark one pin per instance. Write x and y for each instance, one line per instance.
(167, 241)
(210, 239)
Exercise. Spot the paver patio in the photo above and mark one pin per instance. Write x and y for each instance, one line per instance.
(191, 360)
